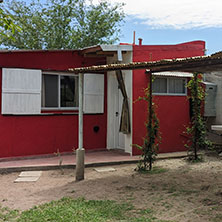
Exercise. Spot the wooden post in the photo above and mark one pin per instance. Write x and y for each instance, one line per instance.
(150, 114)
(195, 115)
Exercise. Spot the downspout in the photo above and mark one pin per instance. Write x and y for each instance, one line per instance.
(119, 55)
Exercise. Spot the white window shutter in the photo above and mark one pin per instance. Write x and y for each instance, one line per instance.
(93, 101)
(21, 91)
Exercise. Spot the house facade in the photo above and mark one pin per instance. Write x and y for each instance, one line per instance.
(39, 99)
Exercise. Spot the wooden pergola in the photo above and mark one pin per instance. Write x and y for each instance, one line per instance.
(200, 64)
(190, 64)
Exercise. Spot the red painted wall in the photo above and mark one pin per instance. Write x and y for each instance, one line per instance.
(31, 135)
(44, 134)
(172, 111)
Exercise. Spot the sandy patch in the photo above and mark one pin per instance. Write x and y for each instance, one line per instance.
(185, 192)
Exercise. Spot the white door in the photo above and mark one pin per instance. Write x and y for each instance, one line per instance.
(115, 139)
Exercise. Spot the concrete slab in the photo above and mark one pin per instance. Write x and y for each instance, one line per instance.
(26, 179)
(30, 174)
(92, 159)
(104, 169)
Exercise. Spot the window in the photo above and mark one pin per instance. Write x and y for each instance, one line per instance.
(177, 86)
(59, 91)
(160, 85)
(170, 86)
(26, 91)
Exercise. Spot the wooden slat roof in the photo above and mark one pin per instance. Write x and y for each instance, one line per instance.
(190, 64)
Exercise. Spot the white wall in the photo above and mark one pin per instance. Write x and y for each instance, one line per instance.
(216, 77)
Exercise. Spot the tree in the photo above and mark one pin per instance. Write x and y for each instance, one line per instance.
(64, 24)
(7, 26)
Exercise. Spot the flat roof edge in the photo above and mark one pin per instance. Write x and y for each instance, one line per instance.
(116, 48)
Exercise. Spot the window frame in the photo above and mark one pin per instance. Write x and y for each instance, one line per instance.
(59, 74)
(168, 83)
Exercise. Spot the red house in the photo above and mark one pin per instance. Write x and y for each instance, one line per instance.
(39, 99)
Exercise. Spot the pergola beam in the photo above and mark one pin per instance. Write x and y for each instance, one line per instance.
(192, 64)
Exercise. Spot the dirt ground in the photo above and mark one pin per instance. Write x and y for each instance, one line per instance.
(185, 192)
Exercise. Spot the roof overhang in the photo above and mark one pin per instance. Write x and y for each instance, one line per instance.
(106, 50)
(201, 64)
(174, 74)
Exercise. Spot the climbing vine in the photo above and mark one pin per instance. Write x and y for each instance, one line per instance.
(152, 139)
(197, 128)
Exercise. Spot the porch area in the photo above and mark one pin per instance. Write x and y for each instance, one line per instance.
(92, 158)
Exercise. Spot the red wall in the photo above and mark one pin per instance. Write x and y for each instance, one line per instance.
(43, 134)
(30, 135)
(172, 111)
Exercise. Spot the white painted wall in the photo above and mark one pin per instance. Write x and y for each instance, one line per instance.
(216, 77)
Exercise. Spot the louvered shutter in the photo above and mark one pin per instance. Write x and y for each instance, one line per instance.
(21, 91)
(93, 89)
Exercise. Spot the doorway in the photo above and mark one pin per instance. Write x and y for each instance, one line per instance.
(115, 139)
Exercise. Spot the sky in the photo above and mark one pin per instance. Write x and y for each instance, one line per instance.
(160, 22)
(173, 21)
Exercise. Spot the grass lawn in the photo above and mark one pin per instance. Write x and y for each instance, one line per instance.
(68, 210)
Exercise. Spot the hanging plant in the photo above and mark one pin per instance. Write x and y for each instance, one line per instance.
(197, 129)
(152, 139)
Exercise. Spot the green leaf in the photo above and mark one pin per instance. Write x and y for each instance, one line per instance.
(137, 146)
(63, 24)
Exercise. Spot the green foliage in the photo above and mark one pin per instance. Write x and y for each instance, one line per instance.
(199, 159)
(7, 26)
(152, 138)
(68, 210)
(155, 170)
(63, 24)
(197, 129)
(81, 210)
(7, 215)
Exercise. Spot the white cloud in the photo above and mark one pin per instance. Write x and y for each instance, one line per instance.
(178, 14)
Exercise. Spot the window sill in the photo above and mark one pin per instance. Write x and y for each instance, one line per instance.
(43, 114)
(168, 94)
(60, 109)
(52, 112)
